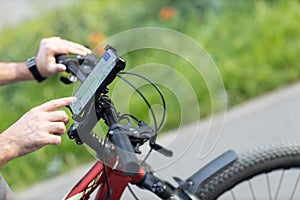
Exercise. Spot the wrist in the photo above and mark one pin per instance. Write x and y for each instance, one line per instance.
(7, 149)
(31, 64)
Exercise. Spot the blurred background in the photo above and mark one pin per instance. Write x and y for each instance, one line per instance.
(254, 43)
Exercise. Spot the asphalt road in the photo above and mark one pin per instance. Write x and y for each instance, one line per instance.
(268, 119)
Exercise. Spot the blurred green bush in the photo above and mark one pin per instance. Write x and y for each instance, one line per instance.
(255, 45)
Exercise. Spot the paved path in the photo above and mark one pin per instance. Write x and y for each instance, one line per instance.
(267, 119)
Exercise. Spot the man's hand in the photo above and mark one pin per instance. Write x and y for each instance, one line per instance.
(50, 47)
(38, 127)
(12, 72)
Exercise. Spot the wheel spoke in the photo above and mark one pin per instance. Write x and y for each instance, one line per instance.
(279, 184)
(295, 187)
(232, 195)
(251, 189)
(269, 187)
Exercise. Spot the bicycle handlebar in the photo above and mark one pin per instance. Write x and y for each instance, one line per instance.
(127, 158)
(71, 64)
(79, 67)
(118, 136)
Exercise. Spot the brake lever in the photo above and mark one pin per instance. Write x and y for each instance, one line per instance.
(146, 132)
(144, 127)
(160, 149)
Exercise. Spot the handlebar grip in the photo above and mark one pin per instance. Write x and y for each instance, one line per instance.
(127, 157)
(71, 64)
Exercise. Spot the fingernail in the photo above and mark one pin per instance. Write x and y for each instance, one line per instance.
(74, 99)
(61, 67)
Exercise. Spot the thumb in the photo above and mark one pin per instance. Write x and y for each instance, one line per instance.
(58, 67)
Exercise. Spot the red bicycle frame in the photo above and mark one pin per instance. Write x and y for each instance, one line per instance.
(95, 177)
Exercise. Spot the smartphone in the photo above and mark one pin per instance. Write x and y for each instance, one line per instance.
(99, 78)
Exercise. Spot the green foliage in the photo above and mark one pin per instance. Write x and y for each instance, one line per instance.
(254, 44)
(258, 51)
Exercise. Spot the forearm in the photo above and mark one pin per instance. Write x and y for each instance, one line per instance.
(12, 72)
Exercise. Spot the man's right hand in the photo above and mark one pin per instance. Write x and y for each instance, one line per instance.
(38, 127)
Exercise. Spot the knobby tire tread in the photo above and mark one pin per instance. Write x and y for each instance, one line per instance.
(248, 165)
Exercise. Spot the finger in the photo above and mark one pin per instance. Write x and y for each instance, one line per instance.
(78, 49)
(57, 103)
(55, 68)
(53, 139)
(56, 128)
(60, 68)
(58, 116)
(74, 48)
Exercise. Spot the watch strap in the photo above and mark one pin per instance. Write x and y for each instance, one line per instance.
(31, 63)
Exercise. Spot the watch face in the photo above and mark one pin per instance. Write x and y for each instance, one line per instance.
(31, 62)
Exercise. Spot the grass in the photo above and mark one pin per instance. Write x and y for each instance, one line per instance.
(255, 45)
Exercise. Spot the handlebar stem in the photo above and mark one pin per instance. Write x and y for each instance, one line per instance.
(118, 135)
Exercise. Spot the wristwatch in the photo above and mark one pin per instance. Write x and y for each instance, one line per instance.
(31, 63)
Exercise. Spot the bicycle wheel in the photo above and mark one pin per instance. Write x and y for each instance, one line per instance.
(271, 172)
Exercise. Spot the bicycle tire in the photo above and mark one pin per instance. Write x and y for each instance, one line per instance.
(284, 156)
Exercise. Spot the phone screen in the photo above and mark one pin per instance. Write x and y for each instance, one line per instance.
(95, 80)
